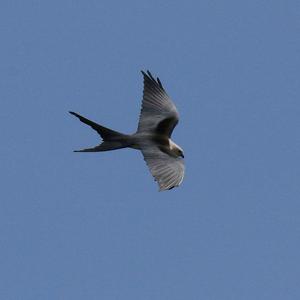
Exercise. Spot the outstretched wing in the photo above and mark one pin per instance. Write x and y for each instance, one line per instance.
(168, 171)
(158, 113)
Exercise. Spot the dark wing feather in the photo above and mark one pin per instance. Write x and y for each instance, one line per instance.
(158, 113)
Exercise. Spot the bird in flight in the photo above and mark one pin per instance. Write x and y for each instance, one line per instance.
(158, 119)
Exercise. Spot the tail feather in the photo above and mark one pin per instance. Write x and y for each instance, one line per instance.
(105, 146)
(105, 133)
(111, 139)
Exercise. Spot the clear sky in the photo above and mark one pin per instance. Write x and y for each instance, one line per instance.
(94, 226)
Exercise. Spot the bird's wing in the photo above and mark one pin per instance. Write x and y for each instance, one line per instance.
(158, 113)
(168, 171)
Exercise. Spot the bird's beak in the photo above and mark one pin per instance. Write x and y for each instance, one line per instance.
(182, 155)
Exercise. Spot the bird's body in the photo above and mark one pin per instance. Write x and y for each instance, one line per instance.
(138, 141)
(158, 118)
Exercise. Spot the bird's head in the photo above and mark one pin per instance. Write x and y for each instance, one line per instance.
(180, 153)
(176, 150)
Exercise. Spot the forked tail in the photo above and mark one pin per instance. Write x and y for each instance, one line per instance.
(112, 140)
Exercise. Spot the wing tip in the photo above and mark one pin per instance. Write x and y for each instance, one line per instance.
(167, 188)
(159, 83)
(149, 75)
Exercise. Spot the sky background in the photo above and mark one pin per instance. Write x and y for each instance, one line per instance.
(94, 226)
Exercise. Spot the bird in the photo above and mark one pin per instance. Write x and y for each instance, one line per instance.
(158, 118)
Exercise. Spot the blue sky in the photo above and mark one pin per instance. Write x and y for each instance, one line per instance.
(94, 226)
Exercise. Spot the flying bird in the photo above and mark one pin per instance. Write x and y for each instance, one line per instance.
(158, 119)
